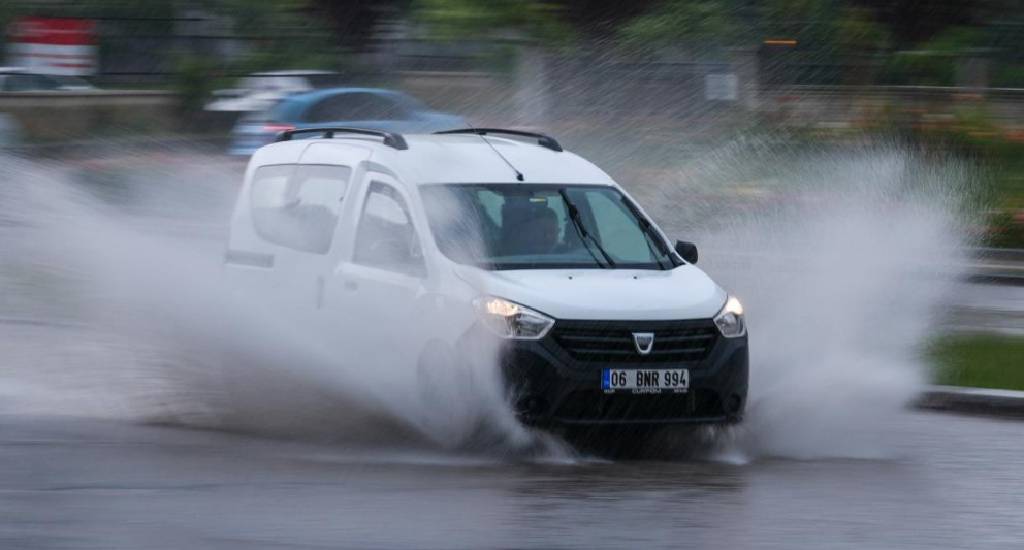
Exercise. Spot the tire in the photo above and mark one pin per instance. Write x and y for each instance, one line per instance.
(450, 409)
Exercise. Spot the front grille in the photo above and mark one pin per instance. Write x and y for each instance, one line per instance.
(594, 405)
(612, 341)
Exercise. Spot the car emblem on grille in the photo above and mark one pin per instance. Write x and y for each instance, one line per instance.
(644, 342)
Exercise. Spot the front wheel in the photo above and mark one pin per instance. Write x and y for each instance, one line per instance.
(449, 407)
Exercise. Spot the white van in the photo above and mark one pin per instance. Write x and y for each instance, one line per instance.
(426, 246)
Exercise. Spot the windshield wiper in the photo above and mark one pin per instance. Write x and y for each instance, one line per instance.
(648, 231)
(577, 222)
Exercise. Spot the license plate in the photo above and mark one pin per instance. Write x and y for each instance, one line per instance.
(645, 380)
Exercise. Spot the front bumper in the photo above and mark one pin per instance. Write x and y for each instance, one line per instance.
(551, 386)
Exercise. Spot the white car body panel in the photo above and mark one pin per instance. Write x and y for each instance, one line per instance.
(377, 304)
(609, 294)
(456, 159)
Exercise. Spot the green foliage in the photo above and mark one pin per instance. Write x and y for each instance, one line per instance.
(919, 68)
(857, 33)
(1006, 229)
(255, 16)
(154, 9)
(810, 22)
(956, 40)
(698, 23)
(984, 361)
(281, 34)
(452, 20)
(1007, 75)
(285, 33)
(820, 27)
(999, 156)
(193, 82)
(825, 27)
(934, 62)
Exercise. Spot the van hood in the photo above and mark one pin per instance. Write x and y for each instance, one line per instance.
(685, 292)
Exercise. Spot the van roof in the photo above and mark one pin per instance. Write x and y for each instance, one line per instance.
(456, 158)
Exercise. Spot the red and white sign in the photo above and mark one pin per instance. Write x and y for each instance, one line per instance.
(53, 46)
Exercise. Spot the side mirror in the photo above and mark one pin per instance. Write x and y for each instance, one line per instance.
(687, 250)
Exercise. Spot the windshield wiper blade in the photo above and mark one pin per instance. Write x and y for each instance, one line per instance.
(649, 234)
(581, 230)
(649, 239)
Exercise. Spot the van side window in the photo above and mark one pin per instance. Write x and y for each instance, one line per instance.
(386, 237)
(297, 206)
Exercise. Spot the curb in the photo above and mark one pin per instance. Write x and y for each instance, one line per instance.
(1001, 266)
(1004, 279)
(1003, 403)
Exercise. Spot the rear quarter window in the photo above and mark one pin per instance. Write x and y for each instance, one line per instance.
(297, 206)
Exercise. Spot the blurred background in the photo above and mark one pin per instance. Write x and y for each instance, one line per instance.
(688, 73)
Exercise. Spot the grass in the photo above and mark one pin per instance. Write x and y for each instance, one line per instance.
(982, 361)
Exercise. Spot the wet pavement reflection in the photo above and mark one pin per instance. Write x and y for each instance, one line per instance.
(951, 482)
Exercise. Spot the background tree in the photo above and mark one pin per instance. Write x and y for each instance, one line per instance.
(697, 24)
(536, 20)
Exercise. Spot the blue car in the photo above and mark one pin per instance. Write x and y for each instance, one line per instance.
(371, 108)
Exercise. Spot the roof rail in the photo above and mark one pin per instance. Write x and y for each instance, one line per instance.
(543, 140)
(391, 139)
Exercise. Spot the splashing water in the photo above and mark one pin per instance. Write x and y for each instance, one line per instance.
(840, 260)
(116, 315)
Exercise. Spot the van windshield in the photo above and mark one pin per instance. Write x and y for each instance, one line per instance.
(515, 226)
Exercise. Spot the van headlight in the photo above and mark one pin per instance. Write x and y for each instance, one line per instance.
(511, 320)
(730, 320)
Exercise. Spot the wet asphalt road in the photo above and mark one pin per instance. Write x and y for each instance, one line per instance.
(948, 482)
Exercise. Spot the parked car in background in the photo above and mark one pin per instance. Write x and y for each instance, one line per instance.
(18, 79)
(259, 91)
(371, 108)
